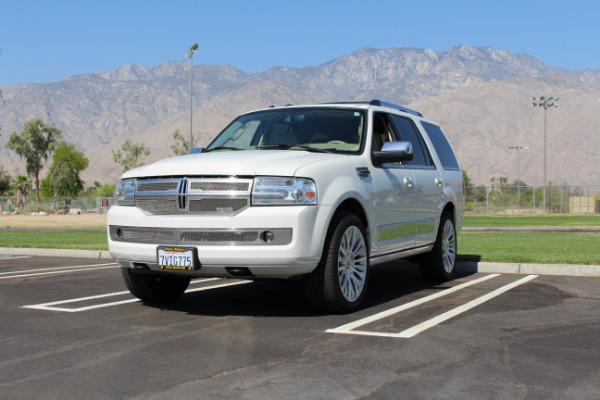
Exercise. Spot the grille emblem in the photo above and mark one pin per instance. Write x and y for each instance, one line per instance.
(182, 195)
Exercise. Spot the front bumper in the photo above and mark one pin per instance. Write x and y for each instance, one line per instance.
(133, 238)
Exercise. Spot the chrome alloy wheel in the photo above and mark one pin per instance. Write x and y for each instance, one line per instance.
(448, 246)
(352, 263)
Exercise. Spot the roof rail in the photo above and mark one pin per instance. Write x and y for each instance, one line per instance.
(376, 102)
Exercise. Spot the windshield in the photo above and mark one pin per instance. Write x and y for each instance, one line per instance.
(313, 129)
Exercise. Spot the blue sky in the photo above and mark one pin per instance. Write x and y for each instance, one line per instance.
(46, 41)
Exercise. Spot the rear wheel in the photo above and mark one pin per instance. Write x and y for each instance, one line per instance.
(440, 263)
(339, 282)
(155, 287)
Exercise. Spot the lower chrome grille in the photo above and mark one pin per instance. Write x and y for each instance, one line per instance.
(166, 236)
(198, 237)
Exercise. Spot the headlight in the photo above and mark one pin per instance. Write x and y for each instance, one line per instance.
(272, 190)
(125, 193)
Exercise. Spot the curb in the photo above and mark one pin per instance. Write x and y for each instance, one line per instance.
(529, 269)
(13, 251)
(461, 266)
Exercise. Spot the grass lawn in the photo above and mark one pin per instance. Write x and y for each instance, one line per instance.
(530, 247)
(85, 240)
(498, 221)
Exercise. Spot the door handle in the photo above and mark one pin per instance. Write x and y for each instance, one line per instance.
(438, 182)
(363, 172)
(408, 182)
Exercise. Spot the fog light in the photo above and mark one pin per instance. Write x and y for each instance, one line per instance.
(267, 236)
(119, 233)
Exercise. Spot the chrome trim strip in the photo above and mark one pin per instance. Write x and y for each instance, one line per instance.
(399, 255)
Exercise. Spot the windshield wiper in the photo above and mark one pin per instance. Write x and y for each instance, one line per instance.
(289, 146)
(222, 148)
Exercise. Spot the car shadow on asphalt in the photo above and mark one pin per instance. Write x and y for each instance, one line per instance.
(388, 283)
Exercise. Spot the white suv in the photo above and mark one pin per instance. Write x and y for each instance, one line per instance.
(319, 192)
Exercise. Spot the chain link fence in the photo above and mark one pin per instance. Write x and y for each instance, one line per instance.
(526, 200)
(529, 200)
(54, 205)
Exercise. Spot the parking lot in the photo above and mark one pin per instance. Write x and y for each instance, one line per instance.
(69, 329)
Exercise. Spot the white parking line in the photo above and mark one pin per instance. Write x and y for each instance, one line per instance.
(415, 330)
(51, 306)
(56, 270)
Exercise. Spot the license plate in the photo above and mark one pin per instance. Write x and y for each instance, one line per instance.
(177, 258)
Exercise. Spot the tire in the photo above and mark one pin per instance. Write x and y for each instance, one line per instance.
(440, 263)
(155, 287)
(339, 283)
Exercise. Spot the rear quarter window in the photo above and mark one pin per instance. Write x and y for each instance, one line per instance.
(442, 146)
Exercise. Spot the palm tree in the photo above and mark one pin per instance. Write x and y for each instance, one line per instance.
(21, 185)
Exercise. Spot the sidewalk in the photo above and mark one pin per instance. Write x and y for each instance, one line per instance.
(461, 266)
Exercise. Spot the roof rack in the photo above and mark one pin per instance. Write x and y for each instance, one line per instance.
(380, 103)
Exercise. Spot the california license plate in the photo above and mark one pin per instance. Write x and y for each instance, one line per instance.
(177, 258)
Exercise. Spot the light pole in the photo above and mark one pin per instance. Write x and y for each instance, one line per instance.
(518, 149)
(545, 102)
(190, 54)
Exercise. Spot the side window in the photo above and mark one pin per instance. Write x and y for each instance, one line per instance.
(383, 130)
(408, 132)
(442, 146)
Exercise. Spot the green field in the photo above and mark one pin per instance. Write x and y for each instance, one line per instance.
(85, 240)
(503, 221)
(530, 247)
(521, 247)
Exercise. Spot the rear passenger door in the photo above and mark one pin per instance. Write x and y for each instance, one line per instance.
(428, 182)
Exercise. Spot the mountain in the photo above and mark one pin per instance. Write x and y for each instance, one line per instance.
(481, 96)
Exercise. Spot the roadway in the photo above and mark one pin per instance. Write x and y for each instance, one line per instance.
(70, 330)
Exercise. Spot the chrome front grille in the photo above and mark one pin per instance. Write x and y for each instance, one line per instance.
(198, 237)
(222, 196)
(156, 186)
(158, 205)
(210, 186)
(212, 205)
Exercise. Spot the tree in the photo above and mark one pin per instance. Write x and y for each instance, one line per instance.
(131, 155)
(466, 178)
(106, 190)
(181, 146)
(35, 144)
(21, 186)
(4, 182)
(67, 164)
(89, 191)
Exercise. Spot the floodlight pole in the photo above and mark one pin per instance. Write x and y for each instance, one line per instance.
(190, 54)
(545, 102)
(518, 149)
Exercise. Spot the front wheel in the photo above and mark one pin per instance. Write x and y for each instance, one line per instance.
(439, 264)
(155, 287)
(339, 282)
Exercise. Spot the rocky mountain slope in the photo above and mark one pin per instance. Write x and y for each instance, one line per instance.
(481, 96)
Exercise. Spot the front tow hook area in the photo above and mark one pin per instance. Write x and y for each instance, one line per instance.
(239, 271)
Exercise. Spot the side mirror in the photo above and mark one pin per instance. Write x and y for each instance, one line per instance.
(392, 152)
(197, 150)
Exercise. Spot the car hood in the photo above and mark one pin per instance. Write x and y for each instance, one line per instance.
(233, 163)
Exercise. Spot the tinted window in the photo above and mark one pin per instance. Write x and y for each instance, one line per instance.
(442, 146)
(408, 132)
